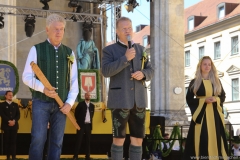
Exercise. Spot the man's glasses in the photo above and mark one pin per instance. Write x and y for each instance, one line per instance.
(126, 29)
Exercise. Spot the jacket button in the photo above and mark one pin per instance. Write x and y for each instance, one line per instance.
(131, 79)
(131, 88)
(131, 69)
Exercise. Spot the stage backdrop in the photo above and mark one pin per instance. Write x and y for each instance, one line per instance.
(9, 79)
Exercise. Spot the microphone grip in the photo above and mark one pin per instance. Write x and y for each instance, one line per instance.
(129, 44)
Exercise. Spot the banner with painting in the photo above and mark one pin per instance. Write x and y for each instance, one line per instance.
(89, 82)
(9, 79)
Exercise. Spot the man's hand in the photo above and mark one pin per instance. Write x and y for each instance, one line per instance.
(210, 100)
(130, 54)
(65, 108)
(51, 94)
(11, 122)
(138, 75)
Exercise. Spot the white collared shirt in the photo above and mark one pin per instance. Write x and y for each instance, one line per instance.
(167, 144)
(236, 152)
(9, 102)
(29, 79)
(87, 118)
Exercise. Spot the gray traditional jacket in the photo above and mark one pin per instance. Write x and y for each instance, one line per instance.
(125, 91)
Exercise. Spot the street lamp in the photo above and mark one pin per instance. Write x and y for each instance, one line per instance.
(131, 4)
(75, 4)
(29, 25)
(45, 2)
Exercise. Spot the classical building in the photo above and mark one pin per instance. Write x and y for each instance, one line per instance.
(167, 57)
(212, 29)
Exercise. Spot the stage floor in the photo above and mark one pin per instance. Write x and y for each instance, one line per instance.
(62, 156)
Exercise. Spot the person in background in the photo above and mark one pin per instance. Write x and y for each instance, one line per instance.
(238, 132)
(123, 62)
(84, 113)
(205, 97)
(10, 115)
(236, 146)
(183, 143)
(165, 145)
(58, 64)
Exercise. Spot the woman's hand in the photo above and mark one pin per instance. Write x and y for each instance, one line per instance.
(210, 100)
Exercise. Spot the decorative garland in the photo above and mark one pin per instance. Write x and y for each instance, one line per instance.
(158, 138)
(227, 133)
(16, 74)
(97, 83)
(26, 108)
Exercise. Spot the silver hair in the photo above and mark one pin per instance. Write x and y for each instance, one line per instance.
(55, 18)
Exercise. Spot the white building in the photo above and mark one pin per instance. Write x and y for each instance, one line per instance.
(212, 28)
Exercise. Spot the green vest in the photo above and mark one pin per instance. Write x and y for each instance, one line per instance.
(54, 65)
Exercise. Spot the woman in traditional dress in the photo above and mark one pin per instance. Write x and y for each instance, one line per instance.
(206, 136)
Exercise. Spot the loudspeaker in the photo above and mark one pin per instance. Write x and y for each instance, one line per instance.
(157, 120)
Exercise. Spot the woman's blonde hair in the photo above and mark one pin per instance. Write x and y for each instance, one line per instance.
(213, 77)
(54, 18)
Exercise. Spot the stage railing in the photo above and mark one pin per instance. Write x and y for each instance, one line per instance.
(184, 131)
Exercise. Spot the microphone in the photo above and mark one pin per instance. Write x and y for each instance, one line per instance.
(129, 41)
(130, 46)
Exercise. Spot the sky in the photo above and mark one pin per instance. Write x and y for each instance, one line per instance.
(141, 14)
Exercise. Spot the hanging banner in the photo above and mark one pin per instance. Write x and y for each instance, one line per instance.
(9, 79)
(89, 82)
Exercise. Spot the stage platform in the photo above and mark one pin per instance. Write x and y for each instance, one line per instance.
(99, 127)
(62, 156)
(101, 134)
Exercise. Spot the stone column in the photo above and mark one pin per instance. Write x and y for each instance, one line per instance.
(167, 58)
(97, 37)
(8, 35)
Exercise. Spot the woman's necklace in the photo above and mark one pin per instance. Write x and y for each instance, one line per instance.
(207, 78)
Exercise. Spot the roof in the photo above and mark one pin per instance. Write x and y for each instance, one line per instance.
(138, 36)
(208, 8)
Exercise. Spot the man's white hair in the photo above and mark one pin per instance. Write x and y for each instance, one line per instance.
(55, 18)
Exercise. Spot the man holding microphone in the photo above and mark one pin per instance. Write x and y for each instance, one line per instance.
(127, 97)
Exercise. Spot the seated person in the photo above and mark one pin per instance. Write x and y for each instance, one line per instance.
(236, 146)
(177, 147)
(165, 145)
